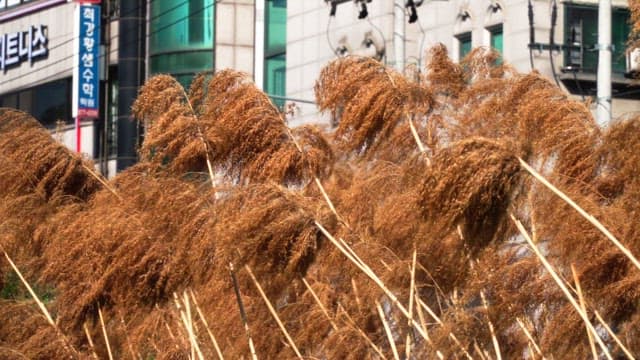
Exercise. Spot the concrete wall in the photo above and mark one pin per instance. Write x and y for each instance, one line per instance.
(234, 35)
(311, 35)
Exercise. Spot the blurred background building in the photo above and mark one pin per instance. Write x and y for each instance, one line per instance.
(282, 44)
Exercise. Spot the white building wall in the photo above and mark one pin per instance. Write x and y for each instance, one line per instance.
(311, 36)
(234, 35)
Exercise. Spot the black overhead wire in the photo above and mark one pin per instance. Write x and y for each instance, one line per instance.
(111, 38)
(532, 35)
(333, 49)
(554, 18)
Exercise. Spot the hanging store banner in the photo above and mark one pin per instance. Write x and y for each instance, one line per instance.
(86, 58)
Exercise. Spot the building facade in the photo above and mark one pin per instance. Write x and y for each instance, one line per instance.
(283, 44)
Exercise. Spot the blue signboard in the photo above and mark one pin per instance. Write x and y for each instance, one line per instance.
(87, 78)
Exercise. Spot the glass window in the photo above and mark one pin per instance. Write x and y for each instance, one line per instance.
(10, 101)
(5, 4)
(275, 63)
(581, 29)
(51, 102)
(185, 26)
(276, 27)
(179, 63)
(464, 45)
(275, 78)
(181, 37)
(47, 103)
(497, 40)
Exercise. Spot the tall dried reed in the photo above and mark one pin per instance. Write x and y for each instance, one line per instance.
(423, 173)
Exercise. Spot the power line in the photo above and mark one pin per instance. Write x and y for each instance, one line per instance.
(115, 36)
(112, 38)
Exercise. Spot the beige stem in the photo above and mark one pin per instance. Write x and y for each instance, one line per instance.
(206, 325)
(387, 331)
(562, 286)
(273, 312)
(582, 212)
(104, 333)
(531, 340)
(592, 344)
(317, 300)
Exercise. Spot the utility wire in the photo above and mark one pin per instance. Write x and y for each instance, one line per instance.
(554, 18)
(111, 51)
(532, 35)
(333, 49)
(384, 40)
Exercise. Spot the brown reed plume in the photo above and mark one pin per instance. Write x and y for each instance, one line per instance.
(32, 162)
(423, 230)
(176, 137)
(444, 76)
(470, 186)
(634, 7)
(259, 147)
(368, 99)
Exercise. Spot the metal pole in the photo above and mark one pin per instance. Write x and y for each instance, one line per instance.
(131, 72)
(259, 39)
(398, 34)
(603, 110)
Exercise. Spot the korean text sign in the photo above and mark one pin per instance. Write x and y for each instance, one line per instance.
(86, 78)
(28, 45)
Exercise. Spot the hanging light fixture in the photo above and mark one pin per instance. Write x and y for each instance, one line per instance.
(363, 9)
(413, 12)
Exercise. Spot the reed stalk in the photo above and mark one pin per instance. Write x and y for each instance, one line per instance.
(104, 333)
(273, 312)
(416, 137)
(613, 335)
(243, 314)
(350, 254)
(582, 212)
(356, 293)
(494, 339)
(387, 331)
(411, 295)
(184, 311)
(317, 300)
(206, 325)
(41, 305)
(90, 340)
(423, 323)
(35, 297)
(583, 306)
(452, 336)
(353, 325)
(531, 340)
(478, 350)
(562, 286)
(201, 137)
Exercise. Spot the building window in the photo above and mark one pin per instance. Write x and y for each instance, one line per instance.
(496, 40)
(181, 38)
(275, 52)
(581, 32)
(464, 45)
(9, 4)
(48, 103)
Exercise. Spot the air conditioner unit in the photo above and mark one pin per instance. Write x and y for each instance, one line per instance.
(633, 62)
